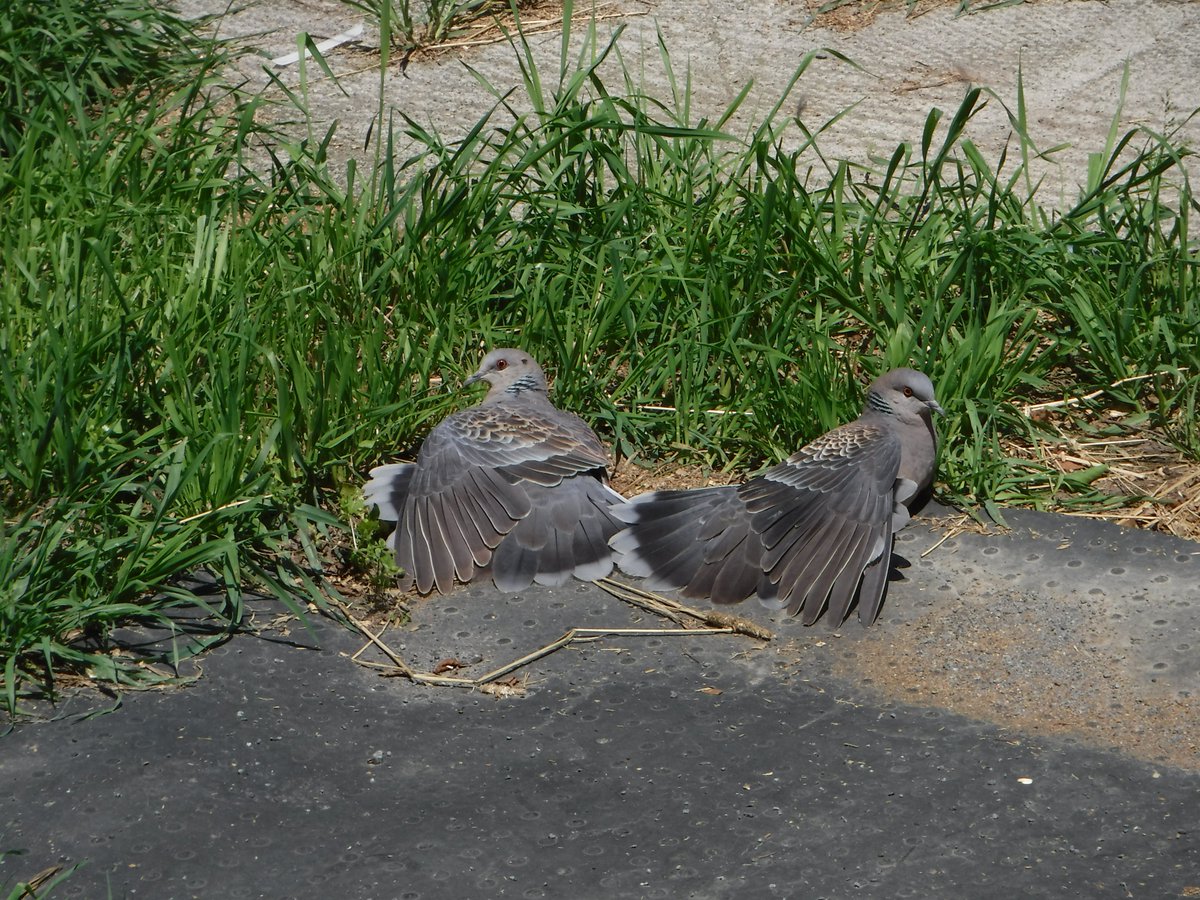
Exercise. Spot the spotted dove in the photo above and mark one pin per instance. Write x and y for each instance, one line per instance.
(513, 488)
(814, 530)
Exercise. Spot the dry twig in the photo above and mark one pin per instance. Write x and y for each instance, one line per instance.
(715, 623)
(673, 610)
(955, 529)
(1031, 408)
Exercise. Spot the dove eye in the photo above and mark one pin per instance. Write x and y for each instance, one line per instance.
(501, 364)
(908, 392)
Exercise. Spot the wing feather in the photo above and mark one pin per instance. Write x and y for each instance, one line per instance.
(801, 534)
(470, 491)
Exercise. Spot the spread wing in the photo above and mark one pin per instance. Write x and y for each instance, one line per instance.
(807, 531)
(480, 473)
(825, 521)
(698, 542)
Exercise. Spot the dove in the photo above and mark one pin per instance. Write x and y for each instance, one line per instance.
(513, 488)
(814, 530)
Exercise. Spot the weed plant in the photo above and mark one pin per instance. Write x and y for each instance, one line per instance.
(411, 24)
(202, 350)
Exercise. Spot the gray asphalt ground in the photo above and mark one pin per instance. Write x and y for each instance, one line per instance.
(1020, 723)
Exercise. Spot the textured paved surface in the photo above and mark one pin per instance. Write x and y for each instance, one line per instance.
(1067, 59)
(959, 748)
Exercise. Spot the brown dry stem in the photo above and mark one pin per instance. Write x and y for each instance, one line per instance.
(650, 602)
(674, 610)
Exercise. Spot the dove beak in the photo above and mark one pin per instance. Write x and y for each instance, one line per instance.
(478, 376)
(936, 407)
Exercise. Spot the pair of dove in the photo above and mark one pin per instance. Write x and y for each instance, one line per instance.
(517, 490)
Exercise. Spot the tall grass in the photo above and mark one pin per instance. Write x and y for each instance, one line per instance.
(200, 350)
(142, 396)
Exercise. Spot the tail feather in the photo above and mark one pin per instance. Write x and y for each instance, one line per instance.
(387, 489)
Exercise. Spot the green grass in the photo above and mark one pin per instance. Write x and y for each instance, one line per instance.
(411, 24)
(202, 351)
(66, 55)
(42, 886)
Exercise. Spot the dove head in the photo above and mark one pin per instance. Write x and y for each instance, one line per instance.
(904, 393)
(509, 372)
